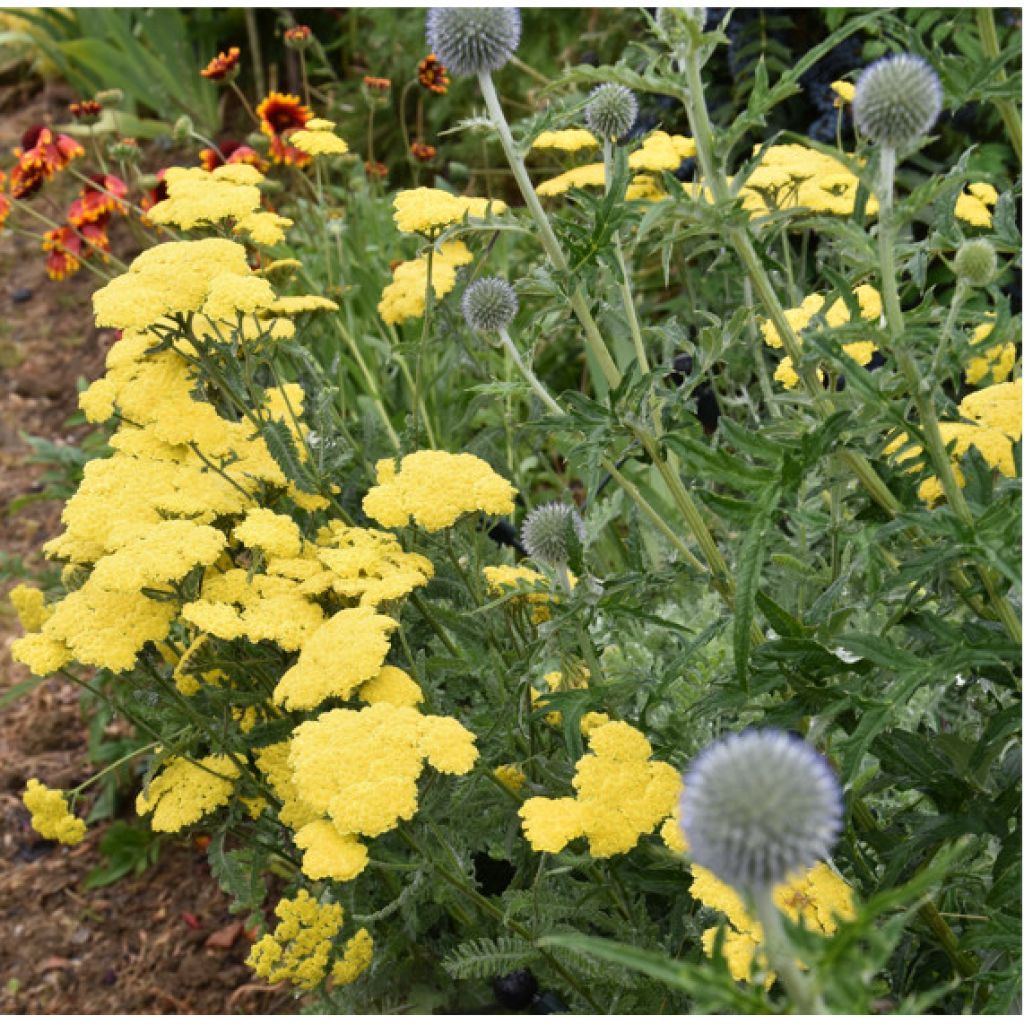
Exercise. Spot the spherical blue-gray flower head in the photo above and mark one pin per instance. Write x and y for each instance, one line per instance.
(473, 40)
(549, 531)
(611, 110)
(758, 806)
(489, 304)
(897, 100)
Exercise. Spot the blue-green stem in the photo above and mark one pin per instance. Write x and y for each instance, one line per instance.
(919, 392)
(782, 958)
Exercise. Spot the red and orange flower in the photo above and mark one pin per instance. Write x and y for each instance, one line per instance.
(422, 151)
(375, 169)
(433, 75)
(64, 247)
(280, 114)
(5, 203)
(101, 197)
(41, 155)
(298, 37)
(85, 110)
(152, 196)
(222, 65)
(231, 152)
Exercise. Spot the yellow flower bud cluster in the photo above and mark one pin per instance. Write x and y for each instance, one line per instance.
(301, 946)
(51, 817)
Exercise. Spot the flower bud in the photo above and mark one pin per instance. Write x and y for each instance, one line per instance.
(124, 150)
(975, 263)
(611, 111)
(489, 304)
(298, 37)
(182, 130)
(897, 100)
(759, 806)
(473, 40)
(551, 531)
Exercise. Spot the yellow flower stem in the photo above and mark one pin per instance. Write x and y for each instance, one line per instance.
(72, 793)
(578, 298)
(782, 958)
(545, 396)
(1004, 104)
(919, 392)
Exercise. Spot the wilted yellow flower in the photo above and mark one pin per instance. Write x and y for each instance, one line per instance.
(511, 775)
(845, 91)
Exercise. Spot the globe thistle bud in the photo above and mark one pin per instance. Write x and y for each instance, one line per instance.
(897, 100)
(975, 263)
(759, 806)
(473, 40)
(611, 110)
(489, 304)
(551, 531)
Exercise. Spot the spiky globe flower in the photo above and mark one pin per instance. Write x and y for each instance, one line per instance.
(550, 531)
(897, 100)
(975, 263)
(758, 806)
(489, 304)
(611, 110)
(473, 40)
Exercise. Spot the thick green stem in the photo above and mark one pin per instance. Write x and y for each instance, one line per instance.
(782, 958)
(919, 392)
(578, 298)
(1004, 104)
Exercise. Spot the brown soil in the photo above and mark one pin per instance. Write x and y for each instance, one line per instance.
(162, 942)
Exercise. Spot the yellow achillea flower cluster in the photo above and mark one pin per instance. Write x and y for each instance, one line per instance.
(318, 139)
(198, 198)
(342, 654)
(975, 204)
(817, 899)
(567, 140)
(845, 92)
(424, 210)
(405, 298)
(995, 425)
(659, 152)
(794, 176)
(621, 795)
(51, 817)
(392, 686)
(995, 363)
(357, 770)
(435, 489)
(870, 305)
(184, 791)
(300, 948)
(511, 776)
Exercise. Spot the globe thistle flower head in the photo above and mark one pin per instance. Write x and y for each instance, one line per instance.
(611, 110)
(975, 263)
(551, 531)
(759, 806)
(489, 304)
(897, 100)
(473, 40)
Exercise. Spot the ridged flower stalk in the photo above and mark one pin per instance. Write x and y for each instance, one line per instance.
(578, 297)
(1004, 104)
(919, 392)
